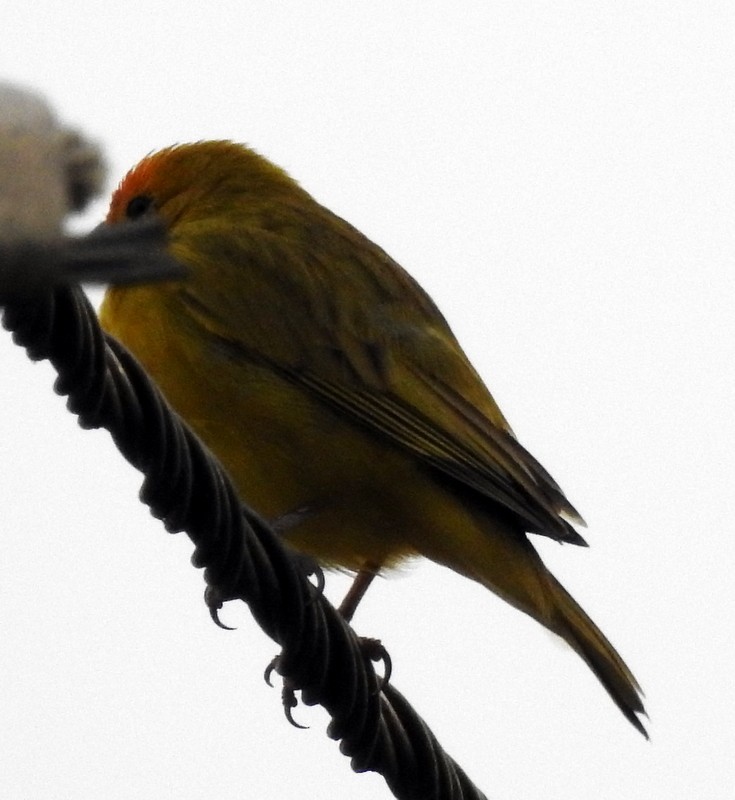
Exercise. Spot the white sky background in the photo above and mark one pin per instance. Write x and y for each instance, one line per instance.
(559, 176)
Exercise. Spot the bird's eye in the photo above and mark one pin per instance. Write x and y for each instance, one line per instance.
(138, 206)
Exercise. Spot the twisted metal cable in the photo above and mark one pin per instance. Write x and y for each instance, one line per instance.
(189, 491)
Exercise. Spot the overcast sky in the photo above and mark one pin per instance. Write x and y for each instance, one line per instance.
(559, 176)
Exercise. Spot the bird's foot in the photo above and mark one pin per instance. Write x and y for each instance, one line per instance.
(214, 603)
(288, 693)
(374, 650)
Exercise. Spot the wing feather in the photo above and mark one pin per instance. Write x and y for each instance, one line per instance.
(367, 341)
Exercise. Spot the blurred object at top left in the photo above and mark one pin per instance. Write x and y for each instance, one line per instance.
(46, 170)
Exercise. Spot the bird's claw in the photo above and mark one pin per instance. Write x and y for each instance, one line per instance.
(313, 568)
(269, 670)
(310, 566)
(288, 694)
(375, 651)
(214, 603)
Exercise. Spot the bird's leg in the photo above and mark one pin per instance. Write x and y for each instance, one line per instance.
(356, 592)
(281, 526)
(371, 648)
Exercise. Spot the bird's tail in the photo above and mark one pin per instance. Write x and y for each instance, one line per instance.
(505, 562)
(571, 623)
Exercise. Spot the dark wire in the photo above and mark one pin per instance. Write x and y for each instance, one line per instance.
(187, 489)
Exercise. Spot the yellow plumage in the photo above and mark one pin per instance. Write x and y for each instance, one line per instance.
(333, 391)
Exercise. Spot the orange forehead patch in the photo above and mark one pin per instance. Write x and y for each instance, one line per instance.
(137, 181)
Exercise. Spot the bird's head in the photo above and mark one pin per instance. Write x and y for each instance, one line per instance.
(217, 180)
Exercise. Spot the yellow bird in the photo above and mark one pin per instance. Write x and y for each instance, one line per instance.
(334, 392)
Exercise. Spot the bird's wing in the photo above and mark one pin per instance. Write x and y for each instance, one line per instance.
(431, 418)
(358, 333)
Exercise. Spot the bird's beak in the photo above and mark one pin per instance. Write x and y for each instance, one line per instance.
(121, 254)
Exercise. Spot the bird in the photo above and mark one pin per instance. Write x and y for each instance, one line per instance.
(334, 393)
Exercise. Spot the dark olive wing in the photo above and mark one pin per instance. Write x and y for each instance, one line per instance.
(336, 316)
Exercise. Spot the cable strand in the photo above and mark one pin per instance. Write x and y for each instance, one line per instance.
(188, 490)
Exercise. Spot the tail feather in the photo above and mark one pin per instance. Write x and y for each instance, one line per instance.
(505, 562)
(573, 625)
